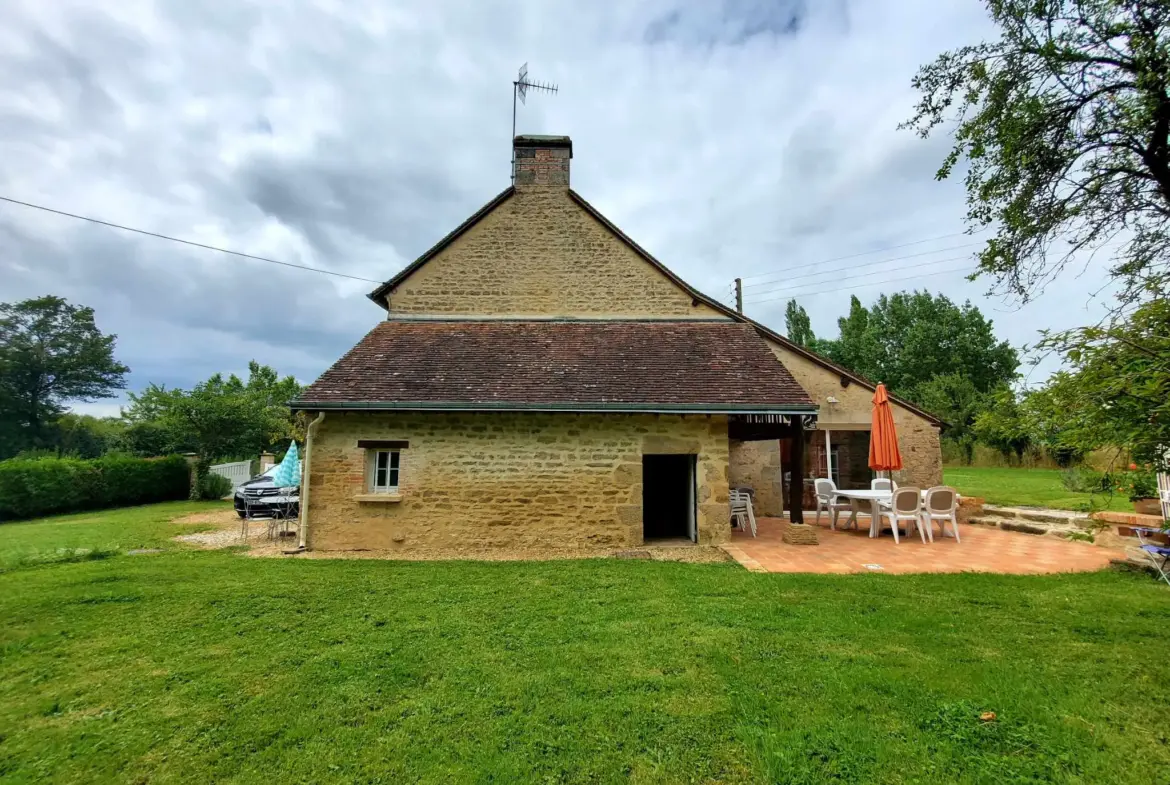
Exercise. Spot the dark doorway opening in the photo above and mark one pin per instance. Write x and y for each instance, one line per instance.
(668, 497)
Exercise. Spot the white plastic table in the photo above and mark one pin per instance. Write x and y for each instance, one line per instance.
(875, 499)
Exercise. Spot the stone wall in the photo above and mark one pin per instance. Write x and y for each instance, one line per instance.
(540, 254)
(756, 464)
(508, 480)
(918, 438)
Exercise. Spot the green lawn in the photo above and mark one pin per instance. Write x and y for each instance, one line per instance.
(95, 535)
(1028, 487)
(190, 666)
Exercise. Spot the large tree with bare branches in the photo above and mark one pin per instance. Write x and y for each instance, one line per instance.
(1065, 123)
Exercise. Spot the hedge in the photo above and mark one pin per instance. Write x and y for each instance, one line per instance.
(32, 488)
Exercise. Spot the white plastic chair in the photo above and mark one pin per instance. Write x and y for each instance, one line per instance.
(1164, 496)
(907, 506)
(883, 484)
(941, 504)
(826, 492)
(742, 512)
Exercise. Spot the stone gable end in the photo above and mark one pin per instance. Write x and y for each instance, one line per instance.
(540, 254)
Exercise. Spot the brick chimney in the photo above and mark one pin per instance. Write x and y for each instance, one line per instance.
(541, 160)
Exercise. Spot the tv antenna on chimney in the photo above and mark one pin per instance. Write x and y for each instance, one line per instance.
(520, 90)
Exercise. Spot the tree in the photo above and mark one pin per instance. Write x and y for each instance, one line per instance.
(1003, 425)
(1048, 412)
(1117, 389)
(218, 418)
(858, 347)
(1065, 123)
(906, 339)
(798, 325)
(88, 437)
(954, 398)
(50, 352)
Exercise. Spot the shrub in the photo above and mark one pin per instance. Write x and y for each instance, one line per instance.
(32, 488)
(214, 486)
(1136, 484)
(1082, 479)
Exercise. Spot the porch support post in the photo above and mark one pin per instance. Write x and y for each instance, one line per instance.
(796, 483)
(828, 456)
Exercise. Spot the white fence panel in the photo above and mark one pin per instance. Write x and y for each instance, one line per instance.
(237, 472)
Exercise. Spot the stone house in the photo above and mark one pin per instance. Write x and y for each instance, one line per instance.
(540, 379)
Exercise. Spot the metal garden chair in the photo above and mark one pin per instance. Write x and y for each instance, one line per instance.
(1157, 552)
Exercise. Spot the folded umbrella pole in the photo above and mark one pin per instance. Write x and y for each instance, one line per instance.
(288, 475)
(883, 438)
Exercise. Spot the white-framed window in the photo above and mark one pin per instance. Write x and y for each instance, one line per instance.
(385, 470)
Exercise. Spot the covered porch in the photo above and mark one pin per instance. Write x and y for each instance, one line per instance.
(767, 460)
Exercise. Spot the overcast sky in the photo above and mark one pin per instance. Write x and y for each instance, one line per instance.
(733, 138)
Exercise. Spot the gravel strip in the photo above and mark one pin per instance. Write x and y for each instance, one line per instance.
(227, 535)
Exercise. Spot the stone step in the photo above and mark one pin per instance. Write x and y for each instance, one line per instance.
(1038, 515)
(988, 520)
(1011, 524)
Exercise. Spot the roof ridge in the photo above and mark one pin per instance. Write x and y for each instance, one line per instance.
(769, 332)
(557, 320)
(379, 294)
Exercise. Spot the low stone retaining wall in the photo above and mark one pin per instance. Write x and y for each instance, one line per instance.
(1060, 523)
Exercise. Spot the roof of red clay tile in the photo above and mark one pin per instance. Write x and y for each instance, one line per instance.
(559, 365)
(379, 294)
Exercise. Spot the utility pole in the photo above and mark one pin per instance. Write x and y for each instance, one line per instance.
(739, 295)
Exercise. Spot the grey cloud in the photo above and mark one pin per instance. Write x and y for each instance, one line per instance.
(727, 138)
(730, 21)
(230, 302)
(397, 203)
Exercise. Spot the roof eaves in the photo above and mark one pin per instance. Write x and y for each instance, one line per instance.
(583, 407)
(379, 294)
(845, 372)
(773, 335)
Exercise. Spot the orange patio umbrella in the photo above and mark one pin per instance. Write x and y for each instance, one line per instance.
(883, 439)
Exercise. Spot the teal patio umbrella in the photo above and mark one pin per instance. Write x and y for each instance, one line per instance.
(288, 473)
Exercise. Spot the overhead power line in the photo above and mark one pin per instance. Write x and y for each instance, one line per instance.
(833, 284)
(187, 242)
(854, 267)
(863, 253)
(870, 283)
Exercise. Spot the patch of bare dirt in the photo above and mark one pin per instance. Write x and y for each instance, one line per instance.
(691, 553)
(219, 518)
(226, 532)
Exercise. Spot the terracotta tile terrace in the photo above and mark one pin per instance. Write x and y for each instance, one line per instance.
(982, 549)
